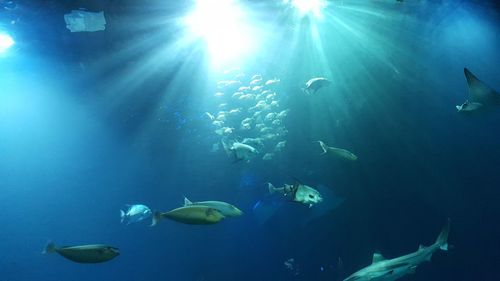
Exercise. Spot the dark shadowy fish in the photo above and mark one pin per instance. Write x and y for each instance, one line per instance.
(84, 254)
(191, 214)
(264, 209)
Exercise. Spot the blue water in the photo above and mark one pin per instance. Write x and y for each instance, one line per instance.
(90, 122)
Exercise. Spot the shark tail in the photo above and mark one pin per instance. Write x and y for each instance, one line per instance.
(156, 218)
(442, 239)
(49, 248)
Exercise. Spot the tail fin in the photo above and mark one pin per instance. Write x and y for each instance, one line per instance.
(49, 248)
(323, 147)
(156, 218)
(227, 147)
(442, 240)
(271, 188)
(122, 216)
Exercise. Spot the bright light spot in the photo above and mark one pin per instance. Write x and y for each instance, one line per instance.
(221, 23)
(309, 6)
(5, 42)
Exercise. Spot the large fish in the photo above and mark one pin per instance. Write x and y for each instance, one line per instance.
(226, 209)
(383, 269)
(481, 96)
(84, 254)
(193, 214)
(314, 84)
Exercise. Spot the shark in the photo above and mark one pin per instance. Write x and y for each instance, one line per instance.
(481, 96)
(383, 269)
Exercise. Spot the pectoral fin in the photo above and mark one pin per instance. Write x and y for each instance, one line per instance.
(412, 269)
(478, 91)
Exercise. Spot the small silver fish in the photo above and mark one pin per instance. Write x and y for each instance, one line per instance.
(135, 213)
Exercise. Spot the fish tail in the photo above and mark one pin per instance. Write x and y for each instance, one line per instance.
(323, 147)
(271, 188)
(442, 240)
(156, 218)
(122, 216)
(49, 248)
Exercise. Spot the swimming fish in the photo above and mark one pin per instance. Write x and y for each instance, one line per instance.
(135, 213)
(338, 152)
(191, 214)
(314, 84)
(268, 208)
(240, 151)
(383, 269)
(84, 254)
(268, 156)
(226, 209)
(280, 146)
(481, 96)
(298, 192)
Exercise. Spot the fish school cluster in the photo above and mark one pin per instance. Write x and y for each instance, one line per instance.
(250, 118)
(263, 125)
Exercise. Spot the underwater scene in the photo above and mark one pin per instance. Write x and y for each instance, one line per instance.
(249, 140)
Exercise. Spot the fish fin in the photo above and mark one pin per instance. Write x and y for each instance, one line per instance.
(442, 240)
(187, 202)
(389, 273)
(377, 257)
(210, 211)
(420, 247)
(227, 148)
(295, 187)
(478, 90)
(297, 181)
(271, 188)
(323, 147)
(156, 218)
(49, 248)
(412, 269)
(122, 216)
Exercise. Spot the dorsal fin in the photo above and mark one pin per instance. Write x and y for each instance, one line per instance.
(377, 257)
(187, 202)
(420, 247)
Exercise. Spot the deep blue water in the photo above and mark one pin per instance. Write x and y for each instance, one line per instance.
(90, 122)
